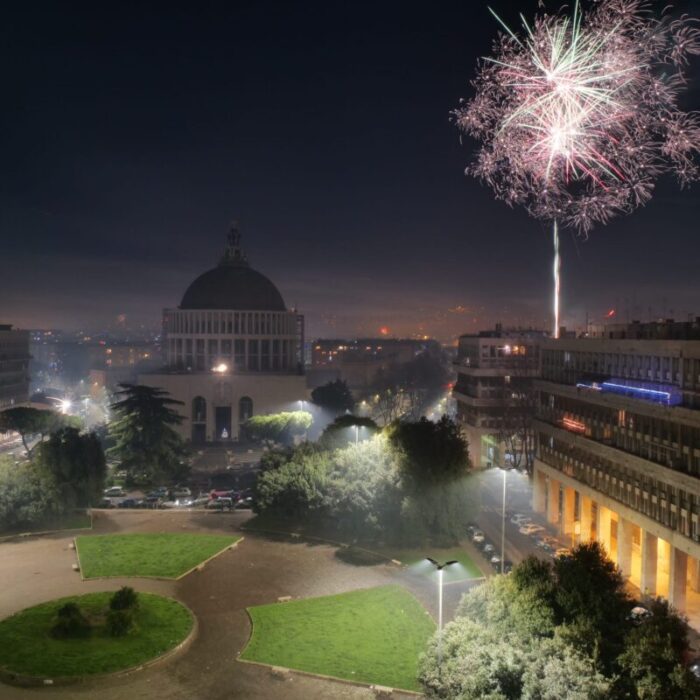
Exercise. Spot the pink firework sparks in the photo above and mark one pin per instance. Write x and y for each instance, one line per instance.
(577, 116)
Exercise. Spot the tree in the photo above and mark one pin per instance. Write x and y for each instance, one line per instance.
(27, 496)
(335, 397)
(516, 431)
(431, 452)
(145, 440)
(409, 388)
(341, 432)
(590, 598)
(30, 422)
(279, 427)
(77, 465)
(652, 662)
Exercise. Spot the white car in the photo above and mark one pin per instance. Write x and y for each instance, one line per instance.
(181, 492)
(531, 529)
(114, 492)
(478, 539)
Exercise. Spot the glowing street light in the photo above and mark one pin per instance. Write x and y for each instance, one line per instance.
(221, 368)
(440, 568)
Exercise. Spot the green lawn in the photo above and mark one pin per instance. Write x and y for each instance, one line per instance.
(26, 646)
(165, 555)
(468, 568)
(372, 636)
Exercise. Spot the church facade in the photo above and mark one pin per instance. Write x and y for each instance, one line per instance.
(232, 349)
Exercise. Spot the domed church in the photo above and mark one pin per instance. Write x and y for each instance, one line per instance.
(232, 349)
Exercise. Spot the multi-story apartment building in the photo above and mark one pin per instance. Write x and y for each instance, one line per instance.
(493, 391)
(14, 366)
(618, 453)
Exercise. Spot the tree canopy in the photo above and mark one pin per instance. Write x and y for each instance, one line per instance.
(32, 422)
(279, 427)
(560, 630)
(145, 439)
(77, 465)
(431, 451)
(334, 396)
(342, 431)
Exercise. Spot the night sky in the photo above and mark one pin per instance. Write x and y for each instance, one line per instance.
(133, 133)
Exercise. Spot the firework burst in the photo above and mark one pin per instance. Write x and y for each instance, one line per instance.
(577, 116)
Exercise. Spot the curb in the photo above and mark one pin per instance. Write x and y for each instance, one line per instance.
(21, 680)
(323, 677)
(196, 567)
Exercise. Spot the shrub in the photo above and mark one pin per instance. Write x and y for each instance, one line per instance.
(125, 598)
(120, 622)
(70, 623)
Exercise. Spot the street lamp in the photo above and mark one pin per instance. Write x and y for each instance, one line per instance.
(357, 433)
(440, 568)
(505, 471)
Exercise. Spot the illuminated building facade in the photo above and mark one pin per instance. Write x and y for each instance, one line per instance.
(14, 366)
(232, 349)
(495, 370)
(618, 454)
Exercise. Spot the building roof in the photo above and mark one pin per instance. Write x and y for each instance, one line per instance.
(233, 285)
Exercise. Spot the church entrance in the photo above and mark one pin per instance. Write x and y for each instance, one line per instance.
(223, 423)
(199, 433)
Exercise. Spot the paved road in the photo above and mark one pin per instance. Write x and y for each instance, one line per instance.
(258, 571)
(518, 500)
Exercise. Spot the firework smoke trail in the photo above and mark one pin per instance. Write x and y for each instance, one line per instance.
(578, 116)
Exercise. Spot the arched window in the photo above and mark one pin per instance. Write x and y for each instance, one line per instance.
(245, 409)
(199, 410)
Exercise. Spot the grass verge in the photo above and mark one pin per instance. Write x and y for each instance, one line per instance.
(373, 635)
(163, 555)
(27, 648)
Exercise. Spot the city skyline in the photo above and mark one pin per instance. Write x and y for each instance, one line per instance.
(134, 138)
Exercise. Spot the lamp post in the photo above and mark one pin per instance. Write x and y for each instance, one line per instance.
(357, 434)
(440, 568)
(505, 471)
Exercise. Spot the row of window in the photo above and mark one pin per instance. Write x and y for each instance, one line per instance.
(564, 365)
(252, 355)
(658, 501)
(661, 441)
(231, 322)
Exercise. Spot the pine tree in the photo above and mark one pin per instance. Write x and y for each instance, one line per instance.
(145, 439)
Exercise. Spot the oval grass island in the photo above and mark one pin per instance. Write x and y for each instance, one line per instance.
(30, 652)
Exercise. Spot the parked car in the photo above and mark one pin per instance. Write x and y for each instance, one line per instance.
(561, 552)
(152, 500)
(176, 503)
(519, 519)
(245, 503)
(128, 503)
(105, 503)
(489, 549)
(222, 503)
(181, 492)
(476, 533)
(531, 529)
(472, 529)
(478, 539)
(694, 667)
(639, 614)
(200, 501)
(114, 492)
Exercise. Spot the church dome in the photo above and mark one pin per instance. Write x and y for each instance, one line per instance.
(233, 285)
